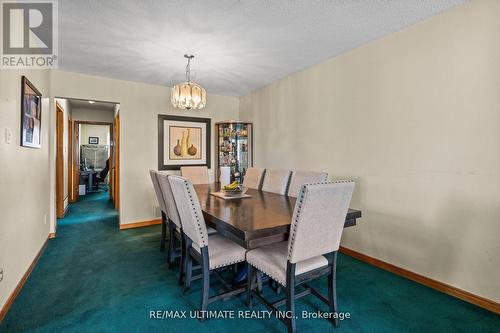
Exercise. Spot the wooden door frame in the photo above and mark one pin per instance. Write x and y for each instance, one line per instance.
(76, 150)
(115, 195)
(71, 184)
(59, 161)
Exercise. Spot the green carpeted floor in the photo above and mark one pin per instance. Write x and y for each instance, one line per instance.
(95, 278)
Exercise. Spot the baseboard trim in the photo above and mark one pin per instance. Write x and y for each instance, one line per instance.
(13, 295)
(466, 296)
(140, 224)
(52, 235)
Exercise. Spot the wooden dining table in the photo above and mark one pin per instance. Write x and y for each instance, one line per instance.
(262, 219)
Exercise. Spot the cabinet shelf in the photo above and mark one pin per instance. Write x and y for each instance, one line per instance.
(234, 148)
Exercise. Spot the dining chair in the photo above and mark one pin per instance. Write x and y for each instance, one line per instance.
(309, 253)
(196, 174)
(276, 181)
(161, 202)
(253, 178)
(213, 252)
(300, 178)
(175, 249)
(174, 225)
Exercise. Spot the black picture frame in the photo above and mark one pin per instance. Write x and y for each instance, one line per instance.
(93, 140)
(195, 120)
(30, 123)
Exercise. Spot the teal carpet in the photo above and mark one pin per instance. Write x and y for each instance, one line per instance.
(95, 278)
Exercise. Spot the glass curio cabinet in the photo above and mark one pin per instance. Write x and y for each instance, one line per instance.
(235, 148)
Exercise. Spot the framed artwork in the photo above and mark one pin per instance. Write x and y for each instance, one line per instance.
(31, 115)
(183, 141)
(93, 140)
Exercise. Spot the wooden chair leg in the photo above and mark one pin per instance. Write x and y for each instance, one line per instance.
(290, 297)
(205, 282)
(171, 245)
(250, 279)
(188, 268)
(332, 291)
(163, 231)
(259, 282)
(182, 265)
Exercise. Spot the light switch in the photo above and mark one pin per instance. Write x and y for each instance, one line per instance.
(8, 136)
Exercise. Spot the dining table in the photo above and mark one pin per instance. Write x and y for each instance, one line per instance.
(263, 218)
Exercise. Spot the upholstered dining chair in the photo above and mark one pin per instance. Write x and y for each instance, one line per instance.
(175, 248)
(196, 174)
(311, 249)
(300, 178)
(213, 252)
(276, 181)
(161, 202)
(174, 225)
(253, 178)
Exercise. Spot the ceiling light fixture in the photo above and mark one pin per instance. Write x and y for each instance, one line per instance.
(188, 95)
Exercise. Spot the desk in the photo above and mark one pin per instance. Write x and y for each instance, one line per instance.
(252, 222)
(90, 179)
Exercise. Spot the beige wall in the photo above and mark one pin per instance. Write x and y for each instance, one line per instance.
(414, 118)
(99, 131)
(140, 105)
(24, 182)
(104, 116)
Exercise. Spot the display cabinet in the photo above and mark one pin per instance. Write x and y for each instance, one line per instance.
(234, 148)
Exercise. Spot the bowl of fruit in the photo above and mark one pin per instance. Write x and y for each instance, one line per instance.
(234, 189)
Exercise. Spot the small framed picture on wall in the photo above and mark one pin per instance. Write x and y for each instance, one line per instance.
(93, 140)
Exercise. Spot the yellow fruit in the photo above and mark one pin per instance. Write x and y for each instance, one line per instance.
(231, 186)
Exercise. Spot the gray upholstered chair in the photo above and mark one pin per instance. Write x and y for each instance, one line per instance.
(174, 225)
(300, 178)
(276, 181)
(161, 202)
(175, 248)
(253, 178)
(311, 249)
(212, 252)
(196, 174)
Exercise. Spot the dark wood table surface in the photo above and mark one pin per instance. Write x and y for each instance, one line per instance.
(252, 222)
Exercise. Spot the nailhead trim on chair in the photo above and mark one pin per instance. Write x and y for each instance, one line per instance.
(227, 264)
(302, 194)
(271, 276)
(203, 240)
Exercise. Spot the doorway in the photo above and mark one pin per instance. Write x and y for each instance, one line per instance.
(87, 156)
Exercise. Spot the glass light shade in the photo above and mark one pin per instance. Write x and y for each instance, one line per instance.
(188, 95)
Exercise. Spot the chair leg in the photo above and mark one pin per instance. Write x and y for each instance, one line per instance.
(290, 297)
(163, 231)
(182, 261)
(206, 281)
(171, 245)
(250, 279)
(188, 267)
(332, 291)
(259, 282)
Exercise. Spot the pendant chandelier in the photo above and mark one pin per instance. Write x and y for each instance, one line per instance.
(188, 95)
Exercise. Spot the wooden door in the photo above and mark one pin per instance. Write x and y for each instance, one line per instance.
(76, 160)
(116, 162)
(71, 184)
(59, 161)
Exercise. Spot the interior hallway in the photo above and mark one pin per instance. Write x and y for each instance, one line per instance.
(95, 278)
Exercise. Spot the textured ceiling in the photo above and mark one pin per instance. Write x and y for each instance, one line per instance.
(239, 45)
